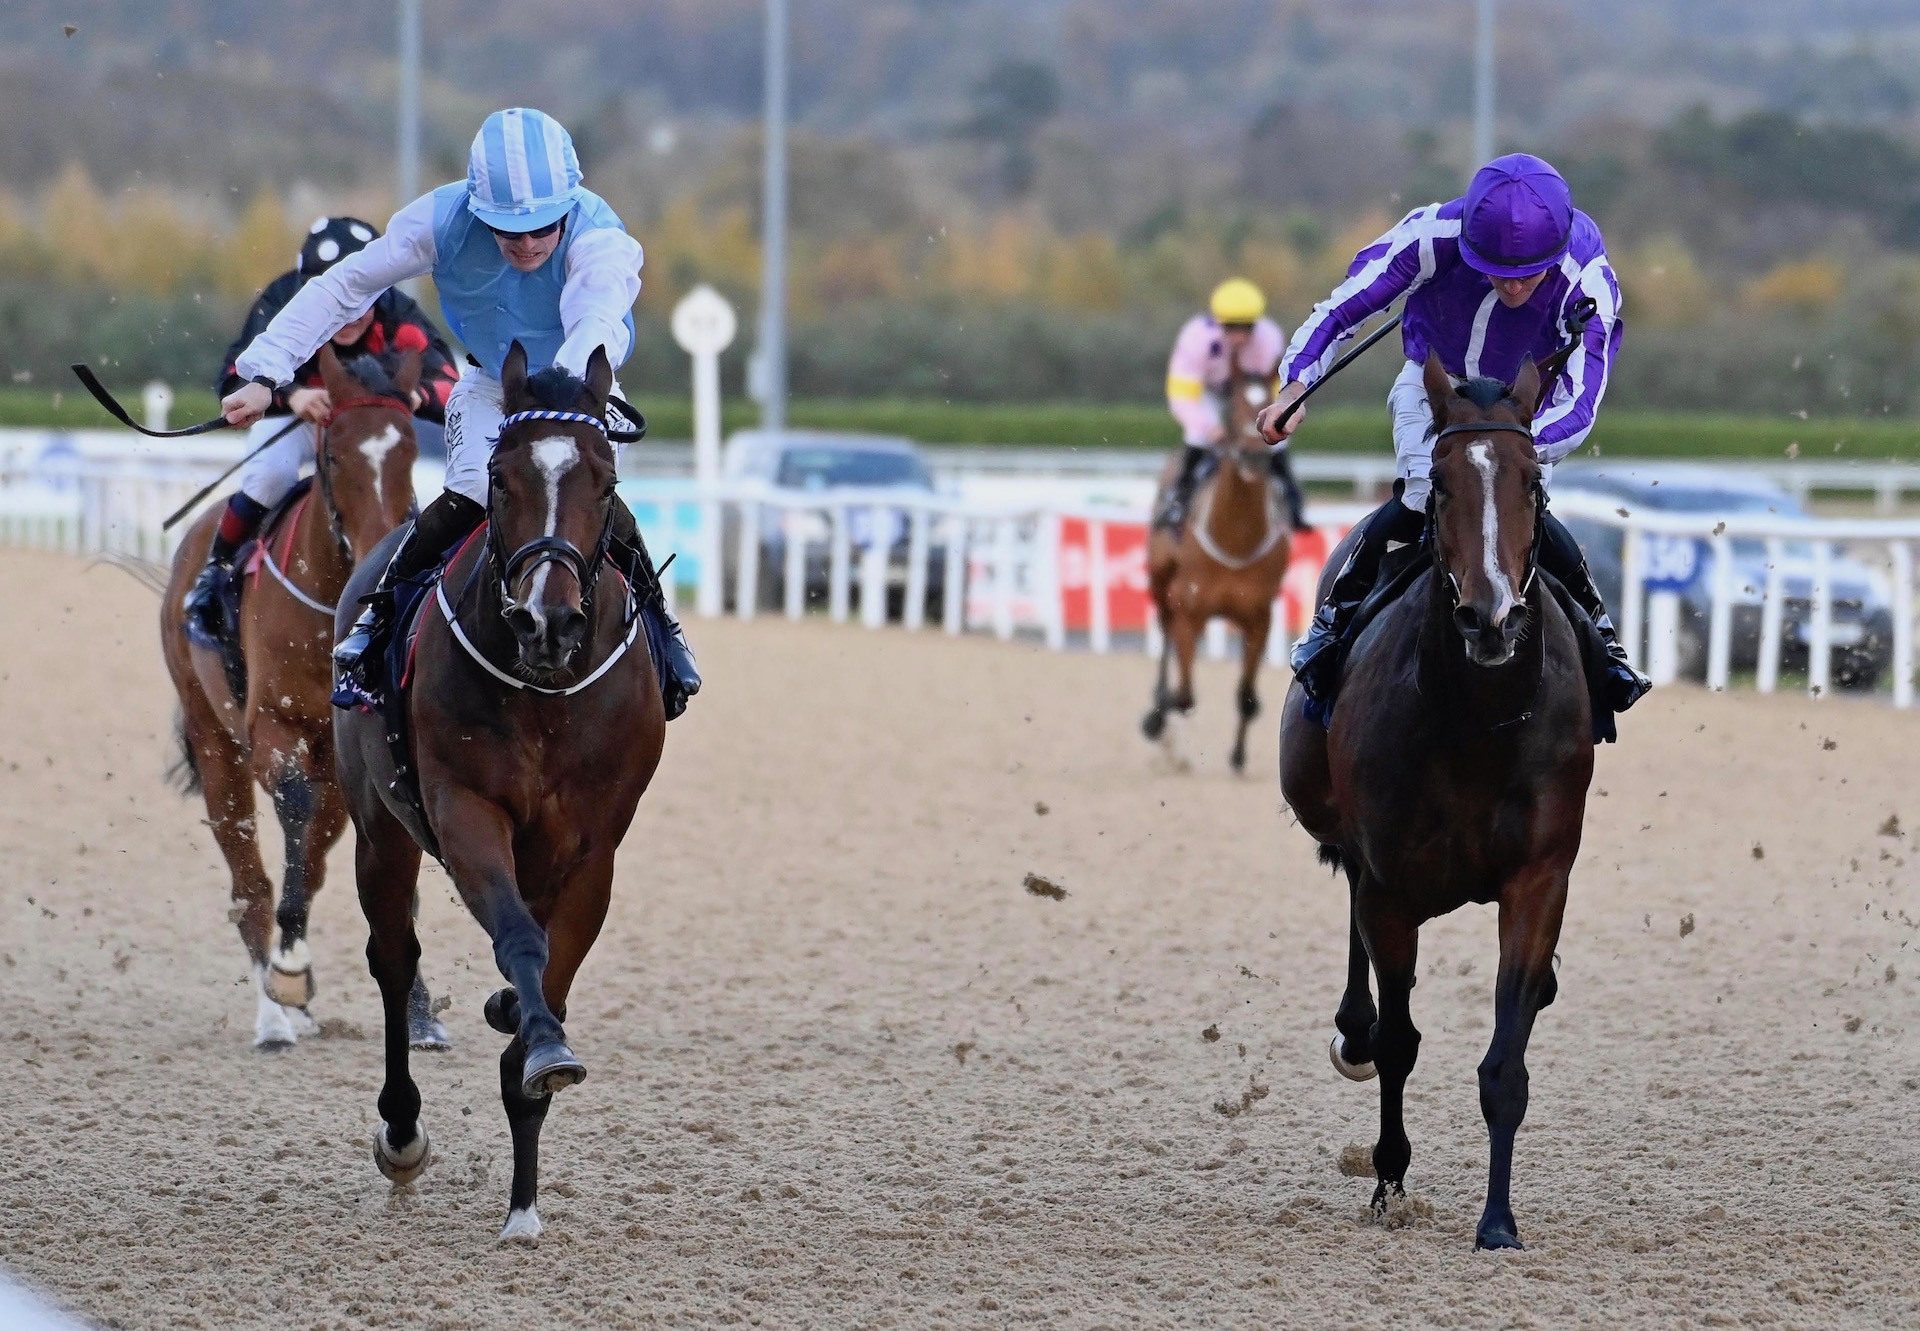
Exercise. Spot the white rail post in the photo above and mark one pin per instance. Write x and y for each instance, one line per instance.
(914, 613)
(1632, 594)
(746, 587)
(1217, 639)
(953, 595)
(1153, 637)
(156, 400)
(1902, 624)
(1772, 609)
(1004, 554)
(1278, 646)
(1053, 613)
(794, 563)
(704, 324)
(1099, 612)
(1720, 625)
(873, 570)
(1663, 637)
(953, 577)
(1820, 638)
(839, 564)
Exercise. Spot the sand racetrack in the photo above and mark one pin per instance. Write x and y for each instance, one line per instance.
(846, 1072)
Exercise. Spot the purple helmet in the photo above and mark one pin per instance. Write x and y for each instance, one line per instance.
(1518, 217)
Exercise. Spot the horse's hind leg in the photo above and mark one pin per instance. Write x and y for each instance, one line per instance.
(1154, 724)
(1352, 1047)
(1531, 908)
(1253, 650)
(1393, 942)
(386, 870)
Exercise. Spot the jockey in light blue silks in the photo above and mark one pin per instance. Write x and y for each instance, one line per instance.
(518, 251)
(1490, 280)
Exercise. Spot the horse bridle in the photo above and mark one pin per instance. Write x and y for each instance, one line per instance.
(509, 569)
(1539, 502)
(323, 458)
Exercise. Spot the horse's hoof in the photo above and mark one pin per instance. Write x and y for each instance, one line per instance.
(503, 1011)
(429, 1034)
(551, 1067)
(1496, 1236)
(1351, 1071)
(400, 1167)
(1238, 762)
(522, 1227)
(1153, 724)
(273, 1044)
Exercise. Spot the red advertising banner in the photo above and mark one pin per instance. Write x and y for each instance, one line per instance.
(1126, 568)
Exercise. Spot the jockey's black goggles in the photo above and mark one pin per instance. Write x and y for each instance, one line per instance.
(538, 233)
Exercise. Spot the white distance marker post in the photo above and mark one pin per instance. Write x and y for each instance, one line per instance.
(704, 325)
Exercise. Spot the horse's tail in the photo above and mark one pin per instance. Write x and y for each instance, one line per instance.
(1330, 856)
(183, 773)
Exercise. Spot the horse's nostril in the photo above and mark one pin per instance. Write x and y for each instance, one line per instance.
(569, 629)
(1467, 620)
(521, 621)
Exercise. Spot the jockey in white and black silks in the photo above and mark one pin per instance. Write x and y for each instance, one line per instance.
(519, 251)
(1509, 272)
(393, 323)
(1234, 331)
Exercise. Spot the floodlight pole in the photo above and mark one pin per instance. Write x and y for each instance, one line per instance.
(1483, 88)
(773, 227)
(409, 154)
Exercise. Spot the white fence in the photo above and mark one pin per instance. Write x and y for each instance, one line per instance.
(1832, 597)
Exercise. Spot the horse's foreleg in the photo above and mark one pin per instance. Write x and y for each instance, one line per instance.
(386, 870)
(1352, 1048)
(479, 854)
(1531, 908)
(1154, 724)
(311, 817)
(1253, 650)
(1393, 942)
(1184, 632)
(579, 909)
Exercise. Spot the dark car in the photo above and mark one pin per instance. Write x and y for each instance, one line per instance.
(1862, 616)
(818, 463)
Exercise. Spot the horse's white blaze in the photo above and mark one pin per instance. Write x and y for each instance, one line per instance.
(375, 451)
(1481, 455)
(522, 1225)
(554, 456)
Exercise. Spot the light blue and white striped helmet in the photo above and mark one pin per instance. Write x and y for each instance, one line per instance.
(522, 172)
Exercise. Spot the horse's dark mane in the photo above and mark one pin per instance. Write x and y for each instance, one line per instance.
(371, 373)
(1486, 393)
(554, 389)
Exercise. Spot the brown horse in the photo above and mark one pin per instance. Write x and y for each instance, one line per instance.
(280, 734)
(535, 731)
(1227, 561)
(1455, 770)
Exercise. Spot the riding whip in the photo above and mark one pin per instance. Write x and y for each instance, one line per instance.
(1339, 365)
(119, 413)
(214, 484)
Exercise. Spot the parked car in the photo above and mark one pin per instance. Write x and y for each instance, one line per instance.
(817, 463)
(1862, 616)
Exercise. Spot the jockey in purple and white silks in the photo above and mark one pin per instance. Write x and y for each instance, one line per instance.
(1507, 273)
(1234, 332)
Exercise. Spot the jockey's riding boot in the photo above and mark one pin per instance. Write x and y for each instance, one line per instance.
(1173, 513)
(203, 602)
(1282, 463)
(1317, 656)
(440, 525)
(1560, 555)
(680, 674)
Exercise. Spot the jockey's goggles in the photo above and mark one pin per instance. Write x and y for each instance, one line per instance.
(538, 233)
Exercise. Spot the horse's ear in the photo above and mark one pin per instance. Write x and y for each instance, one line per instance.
(1439, 386)
(406, 378)
(513, 374)
(599, 376)
(334, 378)
(1526, 389)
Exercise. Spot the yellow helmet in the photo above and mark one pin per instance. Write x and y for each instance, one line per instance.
(1237, 301)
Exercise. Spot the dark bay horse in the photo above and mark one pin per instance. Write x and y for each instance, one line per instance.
(280, 734)
(537, 723)
(1455, 770)
(1227, 561)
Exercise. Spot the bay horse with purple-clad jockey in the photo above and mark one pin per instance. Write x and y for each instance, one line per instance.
(1455, 768)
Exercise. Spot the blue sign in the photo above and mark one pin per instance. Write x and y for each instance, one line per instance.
(1671, 563)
